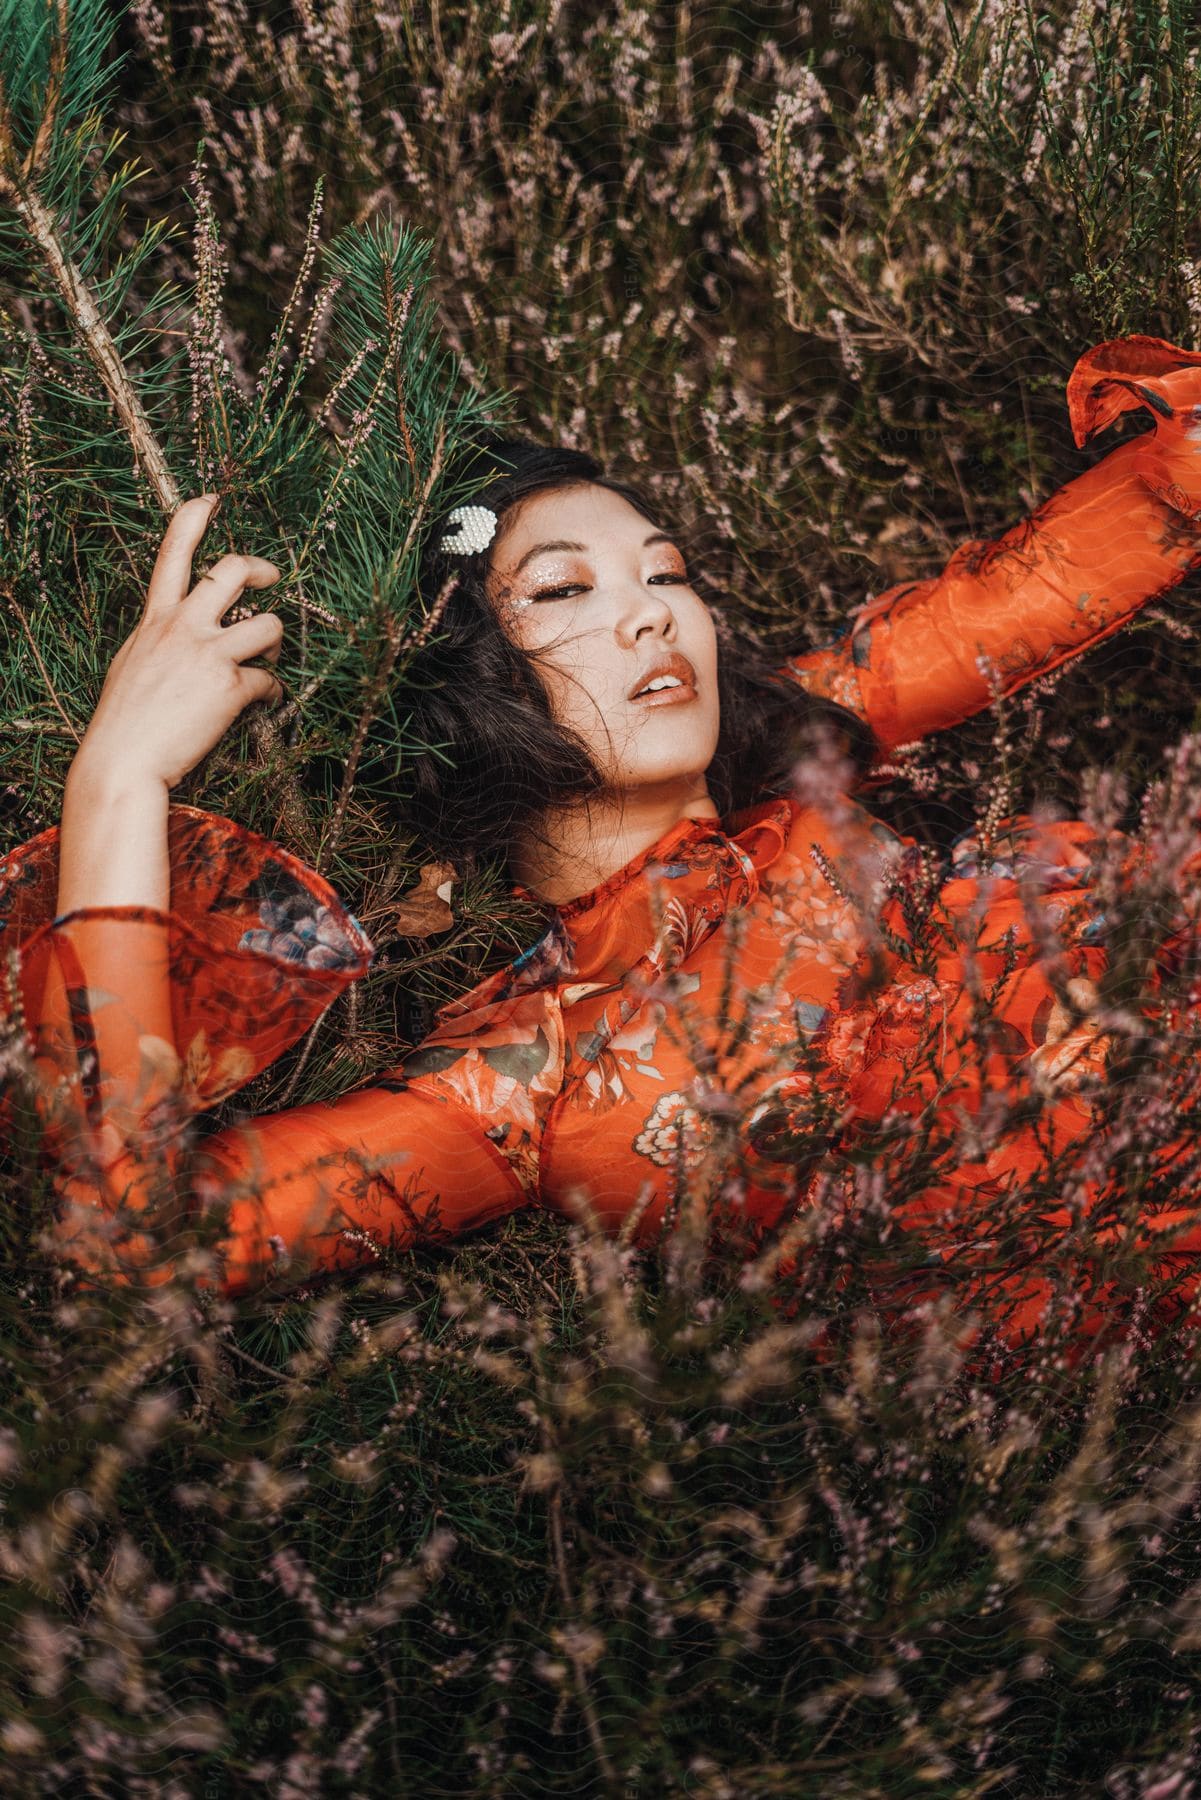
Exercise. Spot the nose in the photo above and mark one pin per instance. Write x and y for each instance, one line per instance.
(642, 610)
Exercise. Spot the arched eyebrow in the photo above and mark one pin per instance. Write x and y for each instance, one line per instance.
(658, 537)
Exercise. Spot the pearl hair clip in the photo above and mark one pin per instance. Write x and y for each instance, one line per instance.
(475, 530)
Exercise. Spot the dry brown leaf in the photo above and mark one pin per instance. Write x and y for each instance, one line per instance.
(425, 909)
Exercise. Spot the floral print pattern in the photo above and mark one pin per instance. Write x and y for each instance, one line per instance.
(674, 1131)
(300, 931)
(590, 1070)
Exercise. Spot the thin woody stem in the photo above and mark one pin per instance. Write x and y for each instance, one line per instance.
(37, 657)
(97, 341)
(41, 728)
(18, 185)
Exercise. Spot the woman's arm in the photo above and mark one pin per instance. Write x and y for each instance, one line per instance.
(1050, 587)
(114, 839)
(311, 1190)
(139, 1018)
(160, 957)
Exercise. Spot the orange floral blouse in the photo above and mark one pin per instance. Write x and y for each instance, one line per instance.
(571, 1075)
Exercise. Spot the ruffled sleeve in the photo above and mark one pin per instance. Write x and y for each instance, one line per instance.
(121, 1022)
(1053, 585)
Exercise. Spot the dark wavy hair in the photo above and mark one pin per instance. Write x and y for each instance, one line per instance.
(499, 760)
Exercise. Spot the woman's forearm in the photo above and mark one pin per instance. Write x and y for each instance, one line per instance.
(113, 840)
(1054, 584)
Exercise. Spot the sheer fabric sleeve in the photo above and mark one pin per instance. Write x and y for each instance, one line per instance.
(1053, 585)
(122, 1023)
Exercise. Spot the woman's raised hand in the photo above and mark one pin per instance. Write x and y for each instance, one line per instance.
(177, 683)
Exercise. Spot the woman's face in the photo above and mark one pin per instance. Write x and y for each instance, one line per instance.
(581, 576)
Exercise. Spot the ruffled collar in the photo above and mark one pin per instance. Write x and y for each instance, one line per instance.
(641, 922)
(759, 832)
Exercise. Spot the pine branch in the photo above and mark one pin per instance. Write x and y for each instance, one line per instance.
(85, 316)
(20, 179)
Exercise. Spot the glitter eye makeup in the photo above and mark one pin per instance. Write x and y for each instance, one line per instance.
(564, 589)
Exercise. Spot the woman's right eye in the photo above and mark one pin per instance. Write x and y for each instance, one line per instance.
(558, 593)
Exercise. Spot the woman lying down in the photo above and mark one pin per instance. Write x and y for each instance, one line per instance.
(632, 762)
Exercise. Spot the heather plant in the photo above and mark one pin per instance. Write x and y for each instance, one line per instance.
(545, 1511)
